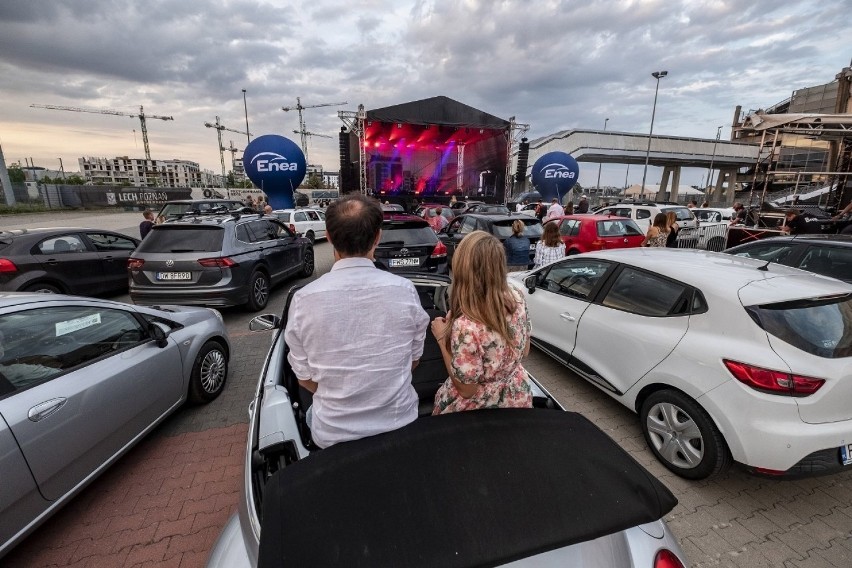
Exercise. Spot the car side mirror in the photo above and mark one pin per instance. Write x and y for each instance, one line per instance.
(530, 282)
(264, 323)
(159, 333)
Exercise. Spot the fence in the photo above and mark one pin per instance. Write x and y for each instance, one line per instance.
(95, 196)
(708, 237)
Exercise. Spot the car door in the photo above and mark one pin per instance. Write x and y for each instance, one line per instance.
(569, 230)
(300, 221)
(289, 243)
(271, 250)
(68, 259)
(318, 218)
(561, 296)
(88, 380)
(20, 501)
(113, 250)
(635, 325)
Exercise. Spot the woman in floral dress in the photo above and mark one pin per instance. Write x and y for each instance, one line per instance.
(485, 334)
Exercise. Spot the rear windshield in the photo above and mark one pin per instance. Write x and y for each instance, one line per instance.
(503, 229)
(499, 209)
(618, 228)
(173, 209)
(682, 213)
(175, 238)
(821, 326)
(408, 233)
(283, 217)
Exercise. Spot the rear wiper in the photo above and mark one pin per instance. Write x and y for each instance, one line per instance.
(392, 243)
(185, 250)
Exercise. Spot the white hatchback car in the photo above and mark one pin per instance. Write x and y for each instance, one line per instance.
(309, 222)
(644, 212)
(722, 358)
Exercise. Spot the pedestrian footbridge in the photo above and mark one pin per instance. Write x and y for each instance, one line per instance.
(669, 152)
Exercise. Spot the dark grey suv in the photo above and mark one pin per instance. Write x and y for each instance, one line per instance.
(217, 260)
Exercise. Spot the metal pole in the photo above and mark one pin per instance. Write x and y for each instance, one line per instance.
(656, 75)
(598, 186)
(245, 107)
(5, 181)
(713, 157)
(62, 169)
(627, 173)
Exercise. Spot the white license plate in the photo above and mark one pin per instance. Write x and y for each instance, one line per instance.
(846, 454)
(174, 276)
(404, 262)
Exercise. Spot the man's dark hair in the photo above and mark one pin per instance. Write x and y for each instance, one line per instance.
(352, 222)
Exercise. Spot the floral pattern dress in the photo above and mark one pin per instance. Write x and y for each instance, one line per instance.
(480, 356)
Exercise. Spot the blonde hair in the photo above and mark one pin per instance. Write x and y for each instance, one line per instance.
(671, 219)
(517, 227)
(480, 291)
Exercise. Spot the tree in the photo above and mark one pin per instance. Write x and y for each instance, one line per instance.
(231, 182)
(74, 180)
(16, 174)
(314, 181)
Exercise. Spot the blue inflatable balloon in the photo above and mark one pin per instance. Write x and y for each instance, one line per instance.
(277, 166)
(554, 174)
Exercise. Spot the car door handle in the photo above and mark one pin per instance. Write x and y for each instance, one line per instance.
(568, 317)
(45, 409)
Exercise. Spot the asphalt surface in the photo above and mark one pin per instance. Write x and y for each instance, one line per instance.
(165, 501)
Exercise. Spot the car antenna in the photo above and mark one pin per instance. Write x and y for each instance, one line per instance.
(764, 267)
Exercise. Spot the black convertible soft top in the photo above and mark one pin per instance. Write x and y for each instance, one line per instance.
(479, 488)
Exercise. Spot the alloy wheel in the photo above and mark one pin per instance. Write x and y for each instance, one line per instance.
(260, 291)
(212, 371)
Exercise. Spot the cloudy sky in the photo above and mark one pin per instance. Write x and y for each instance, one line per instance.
(552, 64)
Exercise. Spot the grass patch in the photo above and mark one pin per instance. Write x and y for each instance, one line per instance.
(23, 208)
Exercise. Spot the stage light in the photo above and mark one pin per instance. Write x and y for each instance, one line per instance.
(399, 125)
(481, 131)
(369, 123)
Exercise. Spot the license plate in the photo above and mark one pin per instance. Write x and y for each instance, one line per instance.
(404, 262)
(174, 276)
(846, 454)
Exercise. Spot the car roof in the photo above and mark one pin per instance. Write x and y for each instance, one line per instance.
(844, 240)
(49, 230)
(392, 217)
(11, 299)
(208, 200)
(592, 217)
(500, 217)
(446, 474)
(719, 273)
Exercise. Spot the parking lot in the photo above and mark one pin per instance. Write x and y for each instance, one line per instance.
(165, 502)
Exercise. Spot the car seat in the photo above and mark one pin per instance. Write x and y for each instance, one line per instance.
(61, 245)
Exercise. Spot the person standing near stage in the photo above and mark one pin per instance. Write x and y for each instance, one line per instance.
(555, 209)
(146, 225)
(583, 205)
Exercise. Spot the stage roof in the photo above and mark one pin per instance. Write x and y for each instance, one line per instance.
(441, 110)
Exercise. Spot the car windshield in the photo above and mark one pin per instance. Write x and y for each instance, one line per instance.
(618, 228)
(173, 209)
(707, 216)
(503, 229)
(177, 238)
(682, 213)
(820, 326)
(408, 233)
(496, 209)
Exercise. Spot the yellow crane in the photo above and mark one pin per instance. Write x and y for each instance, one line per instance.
(140, 115)
(303, 131)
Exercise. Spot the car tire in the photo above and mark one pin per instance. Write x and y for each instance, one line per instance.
(310, 236)
(258, 294)
(209, 373)
(308, 264)
(572, 252)
(683, 436)
(43, 289)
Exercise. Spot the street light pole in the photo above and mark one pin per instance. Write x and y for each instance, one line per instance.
(245, 107)
(656, 75)
(598, 186)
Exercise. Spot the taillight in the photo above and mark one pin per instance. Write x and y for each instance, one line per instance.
(775, 382)
(135, 263)
(223, 262)
(439, 250)
(598, 244)
(667, 559)
(7, 265)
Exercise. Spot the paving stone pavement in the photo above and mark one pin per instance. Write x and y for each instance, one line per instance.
(166, 500)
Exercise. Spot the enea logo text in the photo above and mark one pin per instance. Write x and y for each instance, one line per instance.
(272, 162)
(558, 171)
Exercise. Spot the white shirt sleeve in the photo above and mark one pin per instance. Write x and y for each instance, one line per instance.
(297, 357)
(421, 324)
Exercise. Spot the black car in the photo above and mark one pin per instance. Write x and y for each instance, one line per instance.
(488, 209)
(217, 260)
(409, 244)
(180, 207)
(829, 255)
(64, 260)
(498, 225)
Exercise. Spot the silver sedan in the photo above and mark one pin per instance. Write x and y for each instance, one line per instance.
(81, 381)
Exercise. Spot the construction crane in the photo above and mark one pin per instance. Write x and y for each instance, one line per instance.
(233, 150)
(219, 128)
(303, 131)
(141, 116)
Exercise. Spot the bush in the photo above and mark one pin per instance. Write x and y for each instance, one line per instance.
(23, 208)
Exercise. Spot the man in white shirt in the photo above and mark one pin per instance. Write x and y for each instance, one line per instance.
(555, 209)
(356, 333)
